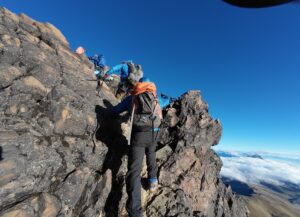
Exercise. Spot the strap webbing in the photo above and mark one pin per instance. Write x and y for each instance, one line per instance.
(130, 124)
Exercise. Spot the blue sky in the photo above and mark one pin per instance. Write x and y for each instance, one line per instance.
(244, 61)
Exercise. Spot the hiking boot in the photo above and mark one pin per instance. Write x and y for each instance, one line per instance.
(153, 185)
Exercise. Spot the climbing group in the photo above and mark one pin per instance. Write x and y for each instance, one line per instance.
(128, 72)
(139, 98)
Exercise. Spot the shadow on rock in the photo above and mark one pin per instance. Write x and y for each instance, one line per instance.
(1, 150)
(238, 187)
(110, 133)
(145, 184)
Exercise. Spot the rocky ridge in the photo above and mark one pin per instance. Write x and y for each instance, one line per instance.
(62, 155)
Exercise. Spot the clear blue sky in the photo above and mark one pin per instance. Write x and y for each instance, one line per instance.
(246, 62)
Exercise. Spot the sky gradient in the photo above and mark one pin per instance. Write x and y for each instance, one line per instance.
(246, 62)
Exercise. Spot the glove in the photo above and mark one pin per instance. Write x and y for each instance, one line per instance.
(97, 73)
(109, 78)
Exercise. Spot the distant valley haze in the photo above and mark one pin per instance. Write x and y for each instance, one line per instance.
(269, 182)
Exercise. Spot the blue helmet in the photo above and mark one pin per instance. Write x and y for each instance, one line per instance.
(144, 79)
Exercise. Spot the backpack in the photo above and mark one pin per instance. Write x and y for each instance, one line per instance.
(147, 112)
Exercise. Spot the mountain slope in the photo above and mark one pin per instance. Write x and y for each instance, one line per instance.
(63, 155)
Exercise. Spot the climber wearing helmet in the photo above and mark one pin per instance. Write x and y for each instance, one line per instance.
(100, 67)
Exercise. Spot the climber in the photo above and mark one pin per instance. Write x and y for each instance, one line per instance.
(146, 113)
(98, 60)
(100, 70)
(128, 71)
(100, 67)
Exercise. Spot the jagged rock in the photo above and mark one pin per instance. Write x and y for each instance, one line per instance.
(61, 154)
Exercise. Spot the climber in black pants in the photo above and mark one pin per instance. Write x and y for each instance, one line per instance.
(141, 143)
(145, 118)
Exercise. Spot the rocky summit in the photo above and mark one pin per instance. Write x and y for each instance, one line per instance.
(62, 154)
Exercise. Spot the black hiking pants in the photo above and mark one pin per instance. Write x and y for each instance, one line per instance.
(141, 143)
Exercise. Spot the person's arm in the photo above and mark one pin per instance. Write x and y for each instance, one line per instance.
(124, 105)
(124, 72)
(115, 70)
(164, 101)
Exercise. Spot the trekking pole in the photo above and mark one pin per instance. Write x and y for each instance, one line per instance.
(131, 124)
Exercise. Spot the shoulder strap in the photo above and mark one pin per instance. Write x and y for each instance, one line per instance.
(131, 123)
(155, 109)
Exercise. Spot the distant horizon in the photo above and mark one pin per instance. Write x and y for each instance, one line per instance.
(257, 151)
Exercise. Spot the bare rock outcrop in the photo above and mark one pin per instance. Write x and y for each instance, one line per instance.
(63, 155)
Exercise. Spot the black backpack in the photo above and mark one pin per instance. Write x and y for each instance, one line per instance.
(147, 112)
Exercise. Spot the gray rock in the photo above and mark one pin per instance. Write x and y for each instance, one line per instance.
(61, 154)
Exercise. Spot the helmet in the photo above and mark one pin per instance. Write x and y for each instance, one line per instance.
(80, 50)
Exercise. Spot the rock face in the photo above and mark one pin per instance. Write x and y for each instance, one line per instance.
(62, 155)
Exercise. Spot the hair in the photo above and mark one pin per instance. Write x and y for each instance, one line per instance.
(136, 76)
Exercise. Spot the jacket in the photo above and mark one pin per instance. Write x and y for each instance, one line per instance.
(121, 69)
(98, 60)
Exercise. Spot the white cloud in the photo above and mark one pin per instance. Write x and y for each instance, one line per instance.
(255, 170)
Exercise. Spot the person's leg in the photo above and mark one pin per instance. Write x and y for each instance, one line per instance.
(151, 161)
(133, 181)
(152, 165)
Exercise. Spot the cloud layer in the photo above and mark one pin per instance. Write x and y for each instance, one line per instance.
(253, 170)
